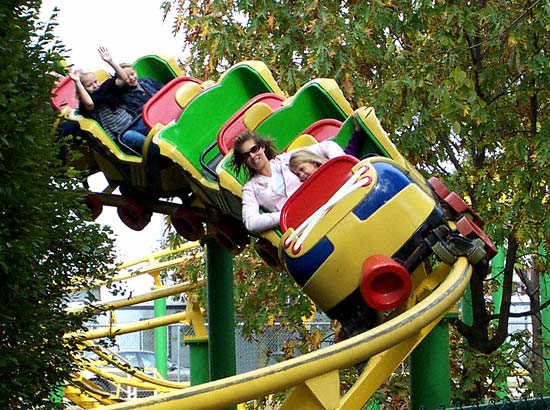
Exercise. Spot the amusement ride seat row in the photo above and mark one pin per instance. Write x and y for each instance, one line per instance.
(364, 224)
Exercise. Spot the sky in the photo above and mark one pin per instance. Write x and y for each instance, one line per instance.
(129, 29)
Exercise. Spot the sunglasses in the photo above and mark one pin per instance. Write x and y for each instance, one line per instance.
(253, 149)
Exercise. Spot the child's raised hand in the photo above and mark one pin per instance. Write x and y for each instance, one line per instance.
(105, 55)
(74, 75)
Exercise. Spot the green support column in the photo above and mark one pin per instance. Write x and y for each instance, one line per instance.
(221, 316)
(430, 370)
(161, 356)
(497, 269)
(497, 266)
(198, 359)
(466, 309)
(467, 314)
(544, 282)
(56, 395)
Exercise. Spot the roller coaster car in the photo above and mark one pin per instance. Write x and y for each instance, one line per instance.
(318, 107)
(142, 183)
(191, 143)
(78, 152)
(317, 112)
(355, 230)
(191, 140)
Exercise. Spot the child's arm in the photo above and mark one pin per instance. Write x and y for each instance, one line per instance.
(83, 95)
(120, 72)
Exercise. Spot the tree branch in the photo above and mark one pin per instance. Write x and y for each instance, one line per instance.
(477, 334)
(525, 312)
(443, 139)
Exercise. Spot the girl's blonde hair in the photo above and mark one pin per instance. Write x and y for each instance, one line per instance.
(84, 73)
(299, 157)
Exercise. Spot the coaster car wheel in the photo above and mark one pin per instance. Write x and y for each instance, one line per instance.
(95, 206)
(471, 230)
(268, 253)
(188, 224)
(134, 215)
(230, 234)
(456, 206)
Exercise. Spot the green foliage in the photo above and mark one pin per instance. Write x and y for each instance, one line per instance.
(46, 243)
(479, 377)
(455, 85)
(394, 393)
(461, 87)
(265, 295)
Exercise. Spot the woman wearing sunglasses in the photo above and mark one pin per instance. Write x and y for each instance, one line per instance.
(271, 181)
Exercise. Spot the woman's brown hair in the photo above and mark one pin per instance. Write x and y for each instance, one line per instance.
(238, 162)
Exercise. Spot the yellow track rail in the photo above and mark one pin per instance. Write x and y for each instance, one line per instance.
(314, 376)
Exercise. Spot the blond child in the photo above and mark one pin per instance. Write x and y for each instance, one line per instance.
(104, 103)
(303, 163)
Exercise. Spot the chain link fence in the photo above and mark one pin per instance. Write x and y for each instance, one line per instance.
(538, 403)
(264, 350)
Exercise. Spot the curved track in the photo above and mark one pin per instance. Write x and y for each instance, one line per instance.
(315, 375)
(199, 173)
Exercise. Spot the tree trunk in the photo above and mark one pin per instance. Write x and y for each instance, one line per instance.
(478, 334)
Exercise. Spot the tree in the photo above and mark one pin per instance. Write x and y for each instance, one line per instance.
(48, 244)
(461, 87)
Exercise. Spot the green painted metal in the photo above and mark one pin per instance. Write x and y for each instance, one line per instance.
(311, 103)
(544, 281)
(221, 316)
(430, 370)
(466, 310)
(497, 269)
(201, 120)
(371, 144)
(198, 359)
(154, 67)
(161, 356)
(467, 314)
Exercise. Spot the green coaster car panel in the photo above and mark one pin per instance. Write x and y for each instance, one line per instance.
(317, 100)
(158, 67)
(203, 117)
